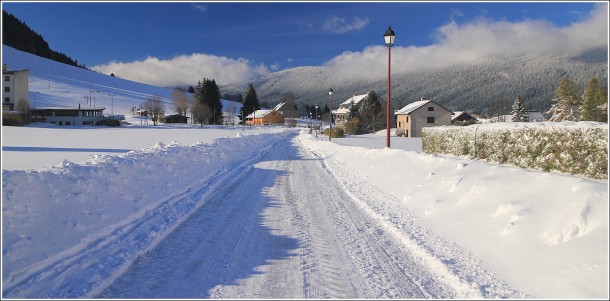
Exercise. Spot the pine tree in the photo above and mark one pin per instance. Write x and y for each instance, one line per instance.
(567, 105)
(208, 93)
(595, 102)
(371, 113)
(250, 102)
(519, 114)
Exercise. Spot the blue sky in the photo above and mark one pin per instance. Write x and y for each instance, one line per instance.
(262, 37)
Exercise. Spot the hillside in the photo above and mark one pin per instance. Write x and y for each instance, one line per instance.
(18, 35)
(53, 84)
(486, 87)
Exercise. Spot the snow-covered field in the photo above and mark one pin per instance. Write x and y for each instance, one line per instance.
(163, 212)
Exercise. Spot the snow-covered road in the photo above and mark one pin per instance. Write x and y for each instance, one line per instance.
(285, 227)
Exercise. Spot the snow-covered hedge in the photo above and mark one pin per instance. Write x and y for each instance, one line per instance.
(570, 147)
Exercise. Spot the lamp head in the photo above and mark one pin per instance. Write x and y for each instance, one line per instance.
(389, 36)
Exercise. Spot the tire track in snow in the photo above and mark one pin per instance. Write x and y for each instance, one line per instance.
(447, 262)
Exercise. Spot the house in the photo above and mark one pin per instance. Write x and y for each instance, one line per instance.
(140, 112)
(67, 116)
(14, 87)
(411, 119)
(534, 116)
(463, 118)
(287, 109)
(342, 114)
(176, 119)
(265, 117)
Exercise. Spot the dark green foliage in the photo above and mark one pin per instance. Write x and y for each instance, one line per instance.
(250, 102)
(18, 35)
(595, 102)
(208, 93)
(371, 113)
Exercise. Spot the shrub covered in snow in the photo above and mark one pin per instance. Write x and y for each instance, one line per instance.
(570, 147)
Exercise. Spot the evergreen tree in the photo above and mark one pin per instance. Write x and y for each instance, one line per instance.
(250, 101)
(595, 102)
(518, 112)
(208, 93)
(566, 104)
(371, 113)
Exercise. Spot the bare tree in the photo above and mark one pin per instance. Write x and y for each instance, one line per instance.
(201, 113)
(180, 101)
(155, 108)
(23, 108)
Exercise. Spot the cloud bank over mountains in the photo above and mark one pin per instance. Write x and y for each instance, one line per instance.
(471, 42)
(475, 41)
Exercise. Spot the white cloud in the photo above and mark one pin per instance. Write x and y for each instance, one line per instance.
(200, 7)
(185, 70)
(475, 41)
(341, 25)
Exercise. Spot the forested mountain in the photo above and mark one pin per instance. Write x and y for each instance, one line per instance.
(488, 87)
(18, 35)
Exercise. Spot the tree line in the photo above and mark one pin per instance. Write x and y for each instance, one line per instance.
(18, 35)
(569, 104)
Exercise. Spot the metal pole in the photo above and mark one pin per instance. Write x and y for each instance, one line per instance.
(387, 121)
(330, 119)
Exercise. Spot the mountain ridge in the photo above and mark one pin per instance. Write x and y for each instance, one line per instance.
(487, 87)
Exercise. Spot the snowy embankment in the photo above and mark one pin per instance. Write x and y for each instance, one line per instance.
(76, 226)
(546, 234)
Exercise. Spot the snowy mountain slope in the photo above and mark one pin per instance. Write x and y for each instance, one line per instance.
(54, 84)
(470, 87)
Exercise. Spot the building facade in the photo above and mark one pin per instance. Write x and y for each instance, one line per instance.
(67, 116)
(265, 117)
(411, 119)
(14, 87)
(342, 114)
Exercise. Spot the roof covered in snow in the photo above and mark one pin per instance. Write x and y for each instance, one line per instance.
(345, 106)
(260, 113)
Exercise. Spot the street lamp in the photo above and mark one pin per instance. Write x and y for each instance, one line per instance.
(330, 122)
(389, 38)
(317, 127)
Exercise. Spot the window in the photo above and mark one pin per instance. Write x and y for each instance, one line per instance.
(407, 119)
(399, 124)
(7, 78)
(430, 119)
(7, 99)
(7, 89)
(430, 108)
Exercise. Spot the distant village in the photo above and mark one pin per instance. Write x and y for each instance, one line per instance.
(409, 120)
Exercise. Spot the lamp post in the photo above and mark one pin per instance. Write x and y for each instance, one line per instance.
(389, 38)
(330, 119)
(317, 121)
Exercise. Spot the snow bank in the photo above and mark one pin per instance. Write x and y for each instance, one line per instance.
(545, 233)
(93, 203)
